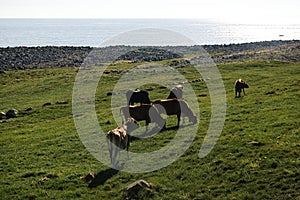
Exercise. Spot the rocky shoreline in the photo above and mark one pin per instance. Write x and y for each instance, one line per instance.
(20, 58)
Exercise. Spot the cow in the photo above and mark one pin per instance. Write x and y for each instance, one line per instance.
(239, 87)
(175, 107)
(144, 112)
(137, 96)
(176, 92)
(119, 139)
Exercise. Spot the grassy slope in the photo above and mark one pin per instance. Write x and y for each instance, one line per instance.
(44, 143)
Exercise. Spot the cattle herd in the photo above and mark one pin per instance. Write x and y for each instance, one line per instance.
(140, 108)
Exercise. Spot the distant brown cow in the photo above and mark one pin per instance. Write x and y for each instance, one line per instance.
(175, 107)
(143, 112)
(118, 139)
(239, 87)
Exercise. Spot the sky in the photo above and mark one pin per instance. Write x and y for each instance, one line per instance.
(231, 11)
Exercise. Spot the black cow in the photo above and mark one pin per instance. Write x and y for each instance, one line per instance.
(239, 87)
(137, 96)
(176, 93)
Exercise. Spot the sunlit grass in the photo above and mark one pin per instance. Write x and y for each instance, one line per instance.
(43, 142)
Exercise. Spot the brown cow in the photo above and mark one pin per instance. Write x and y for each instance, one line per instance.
(239, 87)
(118, 139)
(143, 112)
(175, 107)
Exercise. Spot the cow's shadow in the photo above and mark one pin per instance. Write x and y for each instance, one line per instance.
(157, 131)
(101, 177)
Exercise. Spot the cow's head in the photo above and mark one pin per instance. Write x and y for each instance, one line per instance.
(246, 85)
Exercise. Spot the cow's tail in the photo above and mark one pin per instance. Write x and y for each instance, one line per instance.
(109, 143)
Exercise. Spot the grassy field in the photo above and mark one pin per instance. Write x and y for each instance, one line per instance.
(42, 156)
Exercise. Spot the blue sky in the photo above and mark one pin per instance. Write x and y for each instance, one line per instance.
(232, 11)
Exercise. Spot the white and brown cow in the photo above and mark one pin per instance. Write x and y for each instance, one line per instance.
(119, 139)
(239, 87)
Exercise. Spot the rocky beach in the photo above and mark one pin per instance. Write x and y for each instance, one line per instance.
(20, 58)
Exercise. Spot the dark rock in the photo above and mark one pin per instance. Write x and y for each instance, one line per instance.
(134, 188)
(271, 92)
(162, 87)
(2, 115)
(89, 177)
(47, 104)
(61, 102)
(29, 109)
(255, 143)
(11, 113)
(150, 89)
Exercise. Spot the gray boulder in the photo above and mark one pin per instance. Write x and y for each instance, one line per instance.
(2, 115)
(11, 113)
(133, 190)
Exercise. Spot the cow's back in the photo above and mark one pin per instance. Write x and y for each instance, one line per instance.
(140, 112)
(171, 106)
(137, 96)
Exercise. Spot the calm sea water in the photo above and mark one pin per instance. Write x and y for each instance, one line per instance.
(93, 32)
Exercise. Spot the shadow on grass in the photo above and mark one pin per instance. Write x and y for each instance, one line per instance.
(156, 131)
(102, 177)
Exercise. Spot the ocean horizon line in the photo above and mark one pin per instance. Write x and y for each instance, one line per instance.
(243, 43)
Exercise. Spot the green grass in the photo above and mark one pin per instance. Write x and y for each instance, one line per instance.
(43, 142)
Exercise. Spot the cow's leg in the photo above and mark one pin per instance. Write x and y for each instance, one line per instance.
(113, 156)
(239, 90)
(115, 153)
(110, 152)
(118, 150)
(118, 154)
(163, 125)
(110, 148)
(115, 150)
(147, 124)
(127, 146)
(178, 120)
(244, 91)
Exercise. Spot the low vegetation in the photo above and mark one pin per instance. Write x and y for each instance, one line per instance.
(256, 156)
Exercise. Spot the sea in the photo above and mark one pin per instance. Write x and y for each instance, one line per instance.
(95, 32)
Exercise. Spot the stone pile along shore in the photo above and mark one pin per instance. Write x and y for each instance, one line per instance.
(20, 58)
(16, 58)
